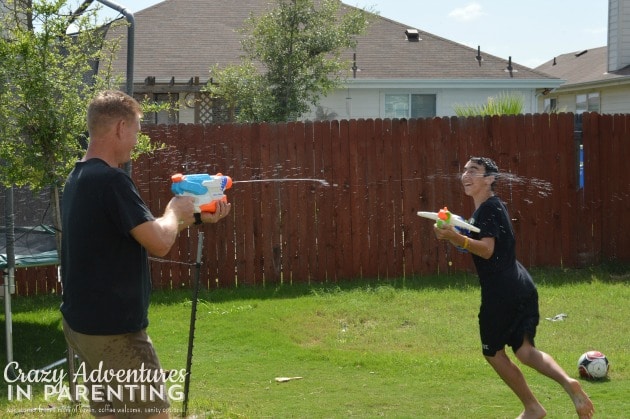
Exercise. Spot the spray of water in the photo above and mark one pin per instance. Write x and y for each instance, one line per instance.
(321, 182)
(506, 182)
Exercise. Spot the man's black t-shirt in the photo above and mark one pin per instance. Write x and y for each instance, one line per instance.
(503, 279)
(105, 271)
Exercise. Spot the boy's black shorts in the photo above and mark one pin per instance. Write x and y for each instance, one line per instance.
(506, 323)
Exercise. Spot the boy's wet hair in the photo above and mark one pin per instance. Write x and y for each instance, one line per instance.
(489, 164)
(491, 168)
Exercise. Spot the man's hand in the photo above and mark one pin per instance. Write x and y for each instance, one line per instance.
(183, 208)
(223, 209)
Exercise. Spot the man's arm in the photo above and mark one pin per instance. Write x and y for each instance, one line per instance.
(158, 236)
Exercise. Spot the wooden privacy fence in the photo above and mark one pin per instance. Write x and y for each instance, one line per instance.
(337, 200)
(379, 174)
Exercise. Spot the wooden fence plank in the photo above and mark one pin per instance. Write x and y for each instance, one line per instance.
(607, 152)
(589, 228)
(304, 250)
(567, 175)
(357, 198)
(266, 238)
(393, 165)
(246, 199)
(219, 256)
(291, 218)
(342, 201)
(428, 140)
(409, 221)
(616, 201)
(385, 210)
(520, 189)
(623, 196)
(373, 211)
(309, 236)
(324, 211)
(458, 149)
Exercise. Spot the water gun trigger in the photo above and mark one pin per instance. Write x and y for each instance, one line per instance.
(444, 217)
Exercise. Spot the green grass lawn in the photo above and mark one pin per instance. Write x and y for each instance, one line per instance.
(408, 348)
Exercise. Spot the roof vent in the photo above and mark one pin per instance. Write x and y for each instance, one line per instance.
(510, 69)
(413, 35)
(579, 54)
(478, 57)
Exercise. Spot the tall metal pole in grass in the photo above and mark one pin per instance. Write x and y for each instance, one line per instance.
(9, 280)
(193, 318)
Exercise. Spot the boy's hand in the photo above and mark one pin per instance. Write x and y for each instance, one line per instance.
(447, 232)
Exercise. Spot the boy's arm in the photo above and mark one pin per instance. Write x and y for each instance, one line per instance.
(483, 248)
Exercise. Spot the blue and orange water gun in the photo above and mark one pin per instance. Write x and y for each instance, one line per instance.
(206, 189)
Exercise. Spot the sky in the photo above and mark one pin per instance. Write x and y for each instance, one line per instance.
(530, 31)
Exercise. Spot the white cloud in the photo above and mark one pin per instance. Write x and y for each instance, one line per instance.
(467, 13)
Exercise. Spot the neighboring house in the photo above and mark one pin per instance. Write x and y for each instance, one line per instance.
(598, 79)
(395, 72)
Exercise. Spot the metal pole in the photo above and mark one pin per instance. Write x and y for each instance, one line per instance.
(130, 53)
(193, 318)
(130, 40)
(9, 281)
(130, 35)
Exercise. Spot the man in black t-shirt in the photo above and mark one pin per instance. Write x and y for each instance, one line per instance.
(107, 234)
(509, 300)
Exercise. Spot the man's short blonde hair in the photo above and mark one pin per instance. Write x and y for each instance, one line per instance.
(109, 106)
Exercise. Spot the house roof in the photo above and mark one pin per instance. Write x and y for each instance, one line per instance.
(185, 38)
(584, 67)
(384, 52)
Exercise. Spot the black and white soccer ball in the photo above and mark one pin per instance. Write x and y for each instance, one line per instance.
(593, 365)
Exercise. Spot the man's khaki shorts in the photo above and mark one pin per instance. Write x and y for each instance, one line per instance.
(118, 374)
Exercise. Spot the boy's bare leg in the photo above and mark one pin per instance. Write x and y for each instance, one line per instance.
(511, 374)
(546, 365)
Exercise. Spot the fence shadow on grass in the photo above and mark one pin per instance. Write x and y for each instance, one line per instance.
(556, 277)
(610, 273)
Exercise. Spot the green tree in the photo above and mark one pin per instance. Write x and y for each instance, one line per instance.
(47, 81)
(502, 104)
(292, 58)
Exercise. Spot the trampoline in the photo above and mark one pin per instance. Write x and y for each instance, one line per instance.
(34, 246)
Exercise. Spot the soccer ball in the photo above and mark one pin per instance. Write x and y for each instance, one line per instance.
(593, 365)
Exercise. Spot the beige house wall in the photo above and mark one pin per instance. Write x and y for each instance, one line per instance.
(613, 99)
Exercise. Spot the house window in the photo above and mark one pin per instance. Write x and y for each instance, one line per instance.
(587, 103)
(550, 105)
(409, 106)
(169, 116)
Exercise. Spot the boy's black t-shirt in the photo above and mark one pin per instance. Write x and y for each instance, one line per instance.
(105, 271)
(502, 277)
